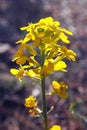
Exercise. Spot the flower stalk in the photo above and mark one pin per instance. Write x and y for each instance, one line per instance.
(44, 105)
(40, 54)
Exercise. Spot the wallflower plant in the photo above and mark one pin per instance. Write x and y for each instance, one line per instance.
(42, 52)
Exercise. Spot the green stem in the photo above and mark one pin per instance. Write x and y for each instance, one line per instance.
(44, 103)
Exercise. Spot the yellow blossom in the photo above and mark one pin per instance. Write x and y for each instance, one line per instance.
(60, 65)
(40, 54)
(55, 127)
(46, 30)
(50, 66)
(34, 73)
(64, 52)
(71, 55)
(60, 89)
(18, 73)
(43, 35)
(30, 102)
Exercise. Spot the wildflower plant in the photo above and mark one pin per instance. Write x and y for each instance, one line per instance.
(42, 52)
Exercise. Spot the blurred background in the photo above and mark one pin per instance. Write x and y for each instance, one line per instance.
(71, 113)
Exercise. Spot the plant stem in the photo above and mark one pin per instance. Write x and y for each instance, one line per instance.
(44, 106)
(44, 103)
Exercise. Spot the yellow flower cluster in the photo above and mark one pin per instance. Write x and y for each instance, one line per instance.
(42, 42)
(31, 103)
(55, 127)
(60, 89)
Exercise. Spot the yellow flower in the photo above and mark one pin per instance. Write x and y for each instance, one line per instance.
(60, 89)
(64, 52)
(50, 66)
(56, 86)
(30, 102)
(34, 73)
(60, 65)
(31, 34)
(71, 55)
(55, 127)
(18, 73)
(46, 30)
(42, 36)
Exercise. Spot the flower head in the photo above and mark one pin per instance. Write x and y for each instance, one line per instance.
(55, 127)
(17, 72)
(50, 66)
(42, 37)
(60, 89)
(30, 102)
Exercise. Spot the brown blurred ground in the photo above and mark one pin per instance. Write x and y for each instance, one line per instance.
(71, 114)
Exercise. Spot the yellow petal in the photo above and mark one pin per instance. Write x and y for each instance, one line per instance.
(40, 35)
(20, 41)
(64, 38)
(55, 127)
(20, 73)
(47, 69)
(47, 20)
(56, 86)
(50, 67)
(62, 94)
(14, 71)
(21, 60)
(46, 40)
(27, 39)
(68, 32)
(24, 28)
(32, 61)
(63, 85)
(33, 74)
(36, 42)
(71, 55)
(44, 72)
(30, 101)
(60, 65)
(55, 25)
